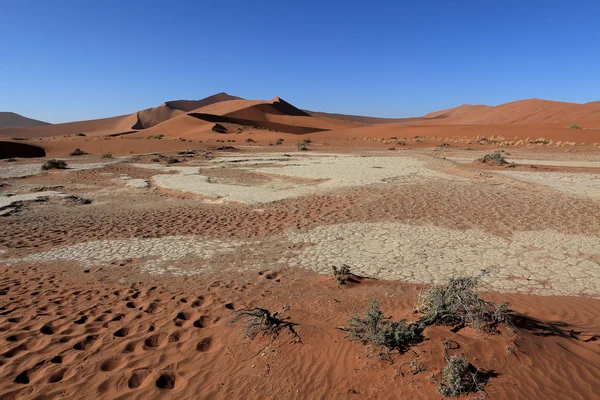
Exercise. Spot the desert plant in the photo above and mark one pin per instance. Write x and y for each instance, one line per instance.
(19, 138)
(279, 141)
(250, 140)
(382, 334)
(459, 377)
(260, 321)
(457, 303)
(107, 155)
(496, 158)
(54, 164)
(76, 199)
(342, 274)
(301, 146)
(77, 152)
(574, 126)
(80, 134)
(172, 160)
(158, 136)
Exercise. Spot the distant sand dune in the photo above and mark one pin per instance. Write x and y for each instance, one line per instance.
(530, 111)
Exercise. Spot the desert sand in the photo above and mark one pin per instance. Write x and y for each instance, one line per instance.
(121, 275)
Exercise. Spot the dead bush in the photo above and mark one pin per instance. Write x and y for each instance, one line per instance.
(342, 274)
(460, 377)
(260, 321)
(54, 164)
(77, 152)
(381, 333)
(457, 303)
(76, 199)
(107, 155)
(496, 158)
(302, 146)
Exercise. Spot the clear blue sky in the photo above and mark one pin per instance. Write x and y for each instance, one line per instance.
(80, 59)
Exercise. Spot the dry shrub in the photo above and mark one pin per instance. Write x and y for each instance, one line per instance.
(54, 164)
(301, 146)
(260, 321)
(77, 152)
(381, 333)
(496, 158)
(460, 377)
(342, 274)
(457, 303)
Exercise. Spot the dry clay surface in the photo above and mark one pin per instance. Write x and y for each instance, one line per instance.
(542, 262)
(23, 170)
(294, 177)
(581, 184)
(539, 261)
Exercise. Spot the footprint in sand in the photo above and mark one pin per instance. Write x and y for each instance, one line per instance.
(85, 343)
(166, 380)
(138, 376)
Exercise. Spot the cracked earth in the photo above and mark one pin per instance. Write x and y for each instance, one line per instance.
(412, 218)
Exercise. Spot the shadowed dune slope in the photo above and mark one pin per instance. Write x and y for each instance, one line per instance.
(12, 120)
(15, 149)
(154, 116)
(181, 126)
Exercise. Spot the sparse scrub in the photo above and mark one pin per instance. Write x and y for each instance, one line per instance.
(457, 303)
(250, 140)
(342, 274)
(158, 136)
(302, 146)
(460, 377)
(19, 138)
(54, 164)
(260, 321)
(172, 160)
(77, 152)
(382, 334)
(279, 141)
(574, 126)
(496, 158)
(107, 155)
(76, 199)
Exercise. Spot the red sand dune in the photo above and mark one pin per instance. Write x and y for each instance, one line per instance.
(361, 119)
(12, 120)
(194, 120)
(530, 111)
(153, 116)
(104, 126)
